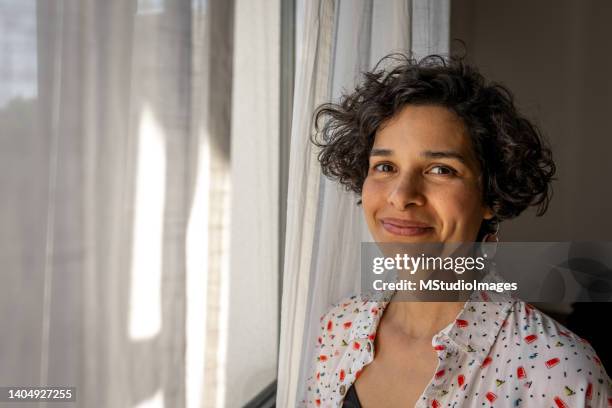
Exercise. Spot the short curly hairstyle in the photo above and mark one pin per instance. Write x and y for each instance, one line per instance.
(516, 163)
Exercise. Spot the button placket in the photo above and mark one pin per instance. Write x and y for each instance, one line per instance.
(362, 358)
(434, 394)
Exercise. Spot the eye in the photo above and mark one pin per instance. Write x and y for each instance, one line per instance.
(442, 170)
(383, 168)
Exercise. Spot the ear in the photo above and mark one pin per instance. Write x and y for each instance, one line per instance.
(488, 213)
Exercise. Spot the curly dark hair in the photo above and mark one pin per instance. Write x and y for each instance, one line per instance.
(516, 163)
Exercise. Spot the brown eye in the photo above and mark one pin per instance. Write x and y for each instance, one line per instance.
(442, 170)
(383, 167)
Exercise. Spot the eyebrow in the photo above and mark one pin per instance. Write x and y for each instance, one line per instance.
(430, 154)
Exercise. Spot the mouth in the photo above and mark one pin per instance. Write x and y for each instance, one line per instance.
(405, 228)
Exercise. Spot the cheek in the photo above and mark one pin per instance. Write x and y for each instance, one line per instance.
(461, 204)
(371, 195)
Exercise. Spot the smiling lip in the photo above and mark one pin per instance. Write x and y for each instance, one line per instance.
(405, 227)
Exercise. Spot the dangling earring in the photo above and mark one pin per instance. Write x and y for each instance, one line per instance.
(489, 243)
(492, 236)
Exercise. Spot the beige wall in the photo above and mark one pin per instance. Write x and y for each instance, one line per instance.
(555, 57)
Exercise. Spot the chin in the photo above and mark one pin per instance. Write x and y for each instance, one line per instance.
(385, 236)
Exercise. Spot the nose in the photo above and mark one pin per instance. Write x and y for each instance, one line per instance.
(406, 191)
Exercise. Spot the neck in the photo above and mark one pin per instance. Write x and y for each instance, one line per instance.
(420, 315)
(421, 320)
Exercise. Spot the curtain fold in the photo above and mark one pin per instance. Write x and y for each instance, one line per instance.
(324, 225)
(114, 135)
(312, 87)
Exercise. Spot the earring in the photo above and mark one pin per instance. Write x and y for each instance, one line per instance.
(489, 243)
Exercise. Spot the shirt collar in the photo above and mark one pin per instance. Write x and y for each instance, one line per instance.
(473, 331)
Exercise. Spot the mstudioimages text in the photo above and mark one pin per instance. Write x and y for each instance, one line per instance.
(440, 285)
(412, 264)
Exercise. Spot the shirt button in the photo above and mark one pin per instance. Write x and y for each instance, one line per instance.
(342, 389)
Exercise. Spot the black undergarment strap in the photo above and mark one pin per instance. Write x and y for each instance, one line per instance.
(350, 399)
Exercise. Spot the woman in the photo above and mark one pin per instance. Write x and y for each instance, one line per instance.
(436, 154)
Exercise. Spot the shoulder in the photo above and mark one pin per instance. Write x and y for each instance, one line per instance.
(532, 326)
(556, 358)
(346, 320)
(337, 338)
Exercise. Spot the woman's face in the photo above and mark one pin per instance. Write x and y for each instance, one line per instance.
(423, 179)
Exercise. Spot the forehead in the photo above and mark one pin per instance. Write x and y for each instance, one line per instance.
(429, 127)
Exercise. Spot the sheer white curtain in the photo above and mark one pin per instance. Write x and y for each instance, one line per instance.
(99, 187)
(122, 273)
(337, 42)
